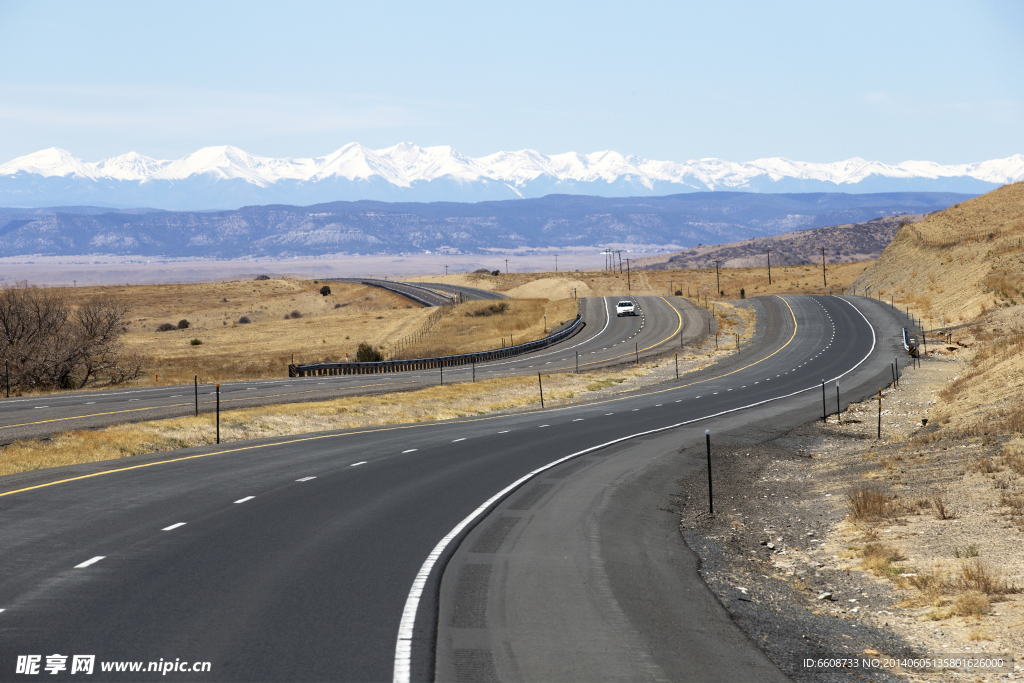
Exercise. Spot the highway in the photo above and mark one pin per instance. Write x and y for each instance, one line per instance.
(604, 341)
(354, 555)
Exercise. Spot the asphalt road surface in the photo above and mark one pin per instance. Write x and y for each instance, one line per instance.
(605, 340)
(344, 556)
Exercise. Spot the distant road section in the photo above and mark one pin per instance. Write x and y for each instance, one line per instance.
(417, 293)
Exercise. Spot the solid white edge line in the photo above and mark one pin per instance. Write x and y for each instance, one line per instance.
(173, 526)
(90, 562)
(403, 647)
(242, 500)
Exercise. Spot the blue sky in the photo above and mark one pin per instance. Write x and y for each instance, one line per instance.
(809, 81)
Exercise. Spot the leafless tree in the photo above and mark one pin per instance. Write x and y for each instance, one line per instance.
(50, 344)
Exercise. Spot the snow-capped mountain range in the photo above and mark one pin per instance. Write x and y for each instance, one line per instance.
(226, 177)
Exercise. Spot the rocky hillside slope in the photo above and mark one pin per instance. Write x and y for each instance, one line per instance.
(843, 244)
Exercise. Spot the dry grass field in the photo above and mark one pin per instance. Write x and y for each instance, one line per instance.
(328, 326)
(476, 326)
(691, 282)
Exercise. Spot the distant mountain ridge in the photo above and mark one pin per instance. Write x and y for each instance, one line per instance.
(370, 227)
(225, 177)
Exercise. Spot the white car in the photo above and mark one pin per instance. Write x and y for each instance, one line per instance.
(625, 308)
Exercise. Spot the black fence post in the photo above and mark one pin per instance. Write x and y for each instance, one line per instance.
(637, 345)
(824, 410)
(474, 369)
(441, 365)
(541, 385)
(711, 498)
(677, 366)
(839, 413)
(879, 412)
(197, 394)
(218, 412)
(577, 362)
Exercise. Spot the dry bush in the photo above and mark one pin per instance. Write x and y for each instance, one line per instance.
(880, 558)
(983, 465)
(869, 504)
(930, 587)
(971, 603)
(1014, 501)
(1013, 460)
(941, 511)
(976, 575)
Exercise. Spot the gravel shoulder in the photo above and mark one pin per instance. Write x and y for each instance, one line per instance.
(788, 562)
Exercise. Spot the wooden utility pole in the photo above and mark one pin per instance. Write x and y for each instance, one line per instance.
(718, 281)
(769, 252)
(824, 283)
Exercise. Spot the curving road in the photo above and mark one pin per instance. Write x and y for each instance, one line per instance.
(344, 556)
(606, 340)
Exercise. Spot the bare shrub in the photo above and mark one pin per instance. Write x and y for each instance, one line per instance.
(976, 575)
(165, 327)
(983, 465)
(869, 504)
(1014, 460)
(971, 603)
(262, 277)
(53, 345)
(941, 511)
(931, 588)
(244, 320)
(183, 324)
(295, 314)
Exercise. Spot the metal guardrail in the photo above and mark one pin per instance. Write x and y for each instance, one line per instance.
(321, 369)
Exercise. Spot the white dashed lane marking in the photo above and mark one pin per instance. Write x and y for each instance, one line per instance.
(578, 419)
(173, 526)
(357, 464)
(242, 500)
(411, 450)
(505, 431)
(458, 440)
(90, 562)
(305, 479)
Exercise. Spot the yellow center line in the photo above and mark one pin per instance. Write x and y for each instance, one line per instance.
(658, 343)
(411, 426)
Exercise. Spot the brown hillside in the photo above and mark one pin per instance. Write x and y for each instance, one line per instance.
(847, 243)
(958, 263)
